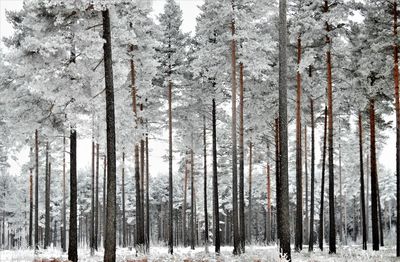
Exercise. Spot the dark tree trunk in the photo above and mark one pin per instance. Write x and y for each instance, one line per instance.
(299, 173)
(110, 237)
(205, 184)
(73, 232)
(217, 235)
(96, 209)
(311, 229)
(236, 233)
(64, 212)
(397, 106)
(250, 190)
(374, 179)
(170, 180)
(92, 221)
(362, 190)
(321, 210)
(241, 163)
(123, 202)
(277, 175)
(192, 211)
(283, 204)
(147, 197)
(47, 201)
(30, 243)
(36, 192)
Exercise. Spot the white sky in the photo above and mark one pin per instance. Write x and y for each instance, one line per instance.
(190, 11)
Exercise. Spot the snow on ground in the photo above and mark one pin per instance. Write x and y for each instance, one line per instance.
(253, 253)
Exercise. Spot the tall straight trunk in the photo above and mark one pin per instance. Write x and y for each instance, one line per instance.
(36, 191)
(170, 181)
(104, 197)
(110, 238)
(64, 216)
(269, 211)
(367, 177)
(283, 204)
(96, 208)
(362, 189)
(184, 204)
(30, 205)
(236, 233)
(311, 228)
(205, 184)
(47, 201)
(250, 189)
(397, 106)
(142, 176)
(277, 177)
(374, 179)
(217, 235)
(147, 197)
(321, 210)
(192, 211)
(73, 213)
(332, 225)
(299, 173)
(340, 191)
(92, 219)
(381, 223)
(241, 163)
(123, 202)
(307, 220)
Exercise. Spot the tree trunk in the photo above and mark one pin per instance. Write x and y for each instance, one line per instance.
(47, 201)
(236, 233)
(374, 179)
(269, 211)
(64, 211)
(332, 225)
(205, 184)
(299, 173)
(192, 231)
(142, 176)
(73, 237)
(311, 229)
(241, 163)
(397, 106)
(321, 210)
(123, 202)
(277, 176)
(250, 190)
(96, 208)
(104, 198)
(217, 235)
(30, 205)
(110, 238)
(147, 197)
(283, 204)
(92, 219)
(307, 220)
(340, 191)
(362, 190)
(170, 181)
(184, 204)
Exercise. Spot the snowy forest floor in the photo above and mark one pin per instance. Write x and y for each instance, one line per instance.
(253, 253)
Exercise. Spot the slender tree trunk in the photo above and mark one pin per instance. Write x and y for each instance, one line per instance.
(123, 202)
(96, 209)
(184, 204)
(170, 181)
(217, 235)
(307, 221)
(299, 172)
(64, 211)
(110, 238)
(236, 233)
(321, 210)
(340, 190)
(277, 177)
(242, 226)
(311, 229)
(142, 176)
(73, 237)
(47, 201)
(269, 211)
(92, 221)
(397, 106)
(332, 226)
(250, 190)
(362, 190)
(30, 205)
(205, 184)
(192, 211)
(147, 197)
(374, 179)
(104, 198)
(283, 204)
